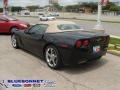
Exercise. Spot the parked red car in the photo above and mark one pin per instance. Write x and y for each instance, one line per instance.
(7, 24)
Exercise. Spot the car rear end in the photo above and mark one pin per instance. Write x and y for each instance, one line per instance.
(86, 50)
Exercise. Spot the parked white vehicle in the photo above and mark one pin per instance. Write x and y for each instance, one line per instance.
(46, 18)
(54, 14)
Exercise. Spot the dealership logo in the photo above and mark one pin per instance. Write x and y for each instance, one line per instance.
(36, 85)
(27, 83)
(16, 85)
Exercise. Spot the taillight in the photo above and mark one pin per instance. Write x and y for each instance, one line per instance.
(78, 44)
(85, 43)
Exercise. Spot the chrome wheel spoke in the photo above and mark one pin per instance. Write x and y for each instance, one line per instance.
(48, 54)
(50, 60)
(54, 63)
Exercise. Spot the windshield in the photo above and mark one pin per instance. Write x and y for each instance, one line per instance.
(69, 27)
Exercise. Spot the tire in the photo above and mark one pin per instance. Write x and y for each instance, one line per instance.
(52, 57)
(14, 28)
(14, 42)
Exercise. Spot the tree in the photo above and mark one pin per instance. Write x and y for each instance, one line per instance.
(32, 8)
(91, 5)
(57, 6)
(77, 7)
(68, 8)
(16, 8)
(108, 6)
(74, 8)
(1, 9)
(115, 8)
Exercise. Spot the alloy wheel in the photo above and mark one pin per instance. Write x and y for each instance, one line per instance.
(14, 41)
(51, 57)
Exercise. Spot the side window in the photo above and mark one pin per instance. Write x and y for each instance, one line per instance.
(38, 29)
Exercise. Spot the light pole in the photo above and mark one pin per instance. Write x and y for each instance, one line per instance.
(99, 26)
(99, 23)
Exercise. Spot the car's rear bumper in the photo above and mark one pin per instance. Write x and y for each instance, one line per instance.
(76, 56)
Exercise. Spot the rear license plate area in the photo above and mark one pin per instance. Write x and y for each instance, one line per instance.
(96, 49)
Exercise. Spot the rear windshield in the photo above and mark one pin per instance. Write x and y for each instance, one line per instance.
(69, 27)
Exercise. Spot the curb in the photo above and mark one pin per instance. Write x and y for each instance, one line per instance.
(113, 52)
(113, 36)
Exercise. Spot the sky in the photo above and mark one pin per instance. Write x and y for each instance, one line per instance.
(44, 2)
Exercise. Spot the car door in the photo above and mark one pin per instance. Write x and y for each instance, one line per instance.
(33, 38)
(4, 24)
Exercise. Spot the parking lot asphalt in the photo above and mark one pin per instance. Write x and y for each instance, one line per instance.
(19, 64)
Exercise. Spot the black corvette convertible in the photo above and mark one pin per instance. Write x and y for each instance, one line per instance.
(61, 42)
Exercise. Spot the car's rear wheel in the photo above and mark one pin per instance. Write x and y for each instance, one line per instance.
(52, 57)
(14, 41)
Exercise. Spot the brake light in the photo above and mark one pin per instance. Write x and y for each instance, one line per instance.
(85, 43)
(78, 44)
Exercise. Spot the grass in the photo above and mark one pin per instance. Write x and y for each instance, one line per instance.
(114, 44)
(114, 41)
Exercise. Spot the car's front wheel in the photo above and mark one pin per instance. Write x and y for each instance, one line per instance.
(14, 41)
(52, 57)
(14, 28)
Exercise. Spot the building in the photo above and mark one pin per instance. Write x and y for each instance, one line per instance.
(53, 2)
(51, 5)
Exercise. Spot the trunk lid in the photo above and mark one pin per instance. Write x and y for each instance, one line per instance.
(94, 37)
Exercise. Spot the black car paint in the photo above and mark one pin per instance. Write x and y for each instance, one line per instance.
(36, 43)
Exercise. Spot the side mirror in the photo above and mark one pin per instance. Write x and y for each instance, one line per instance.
(26, 31)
